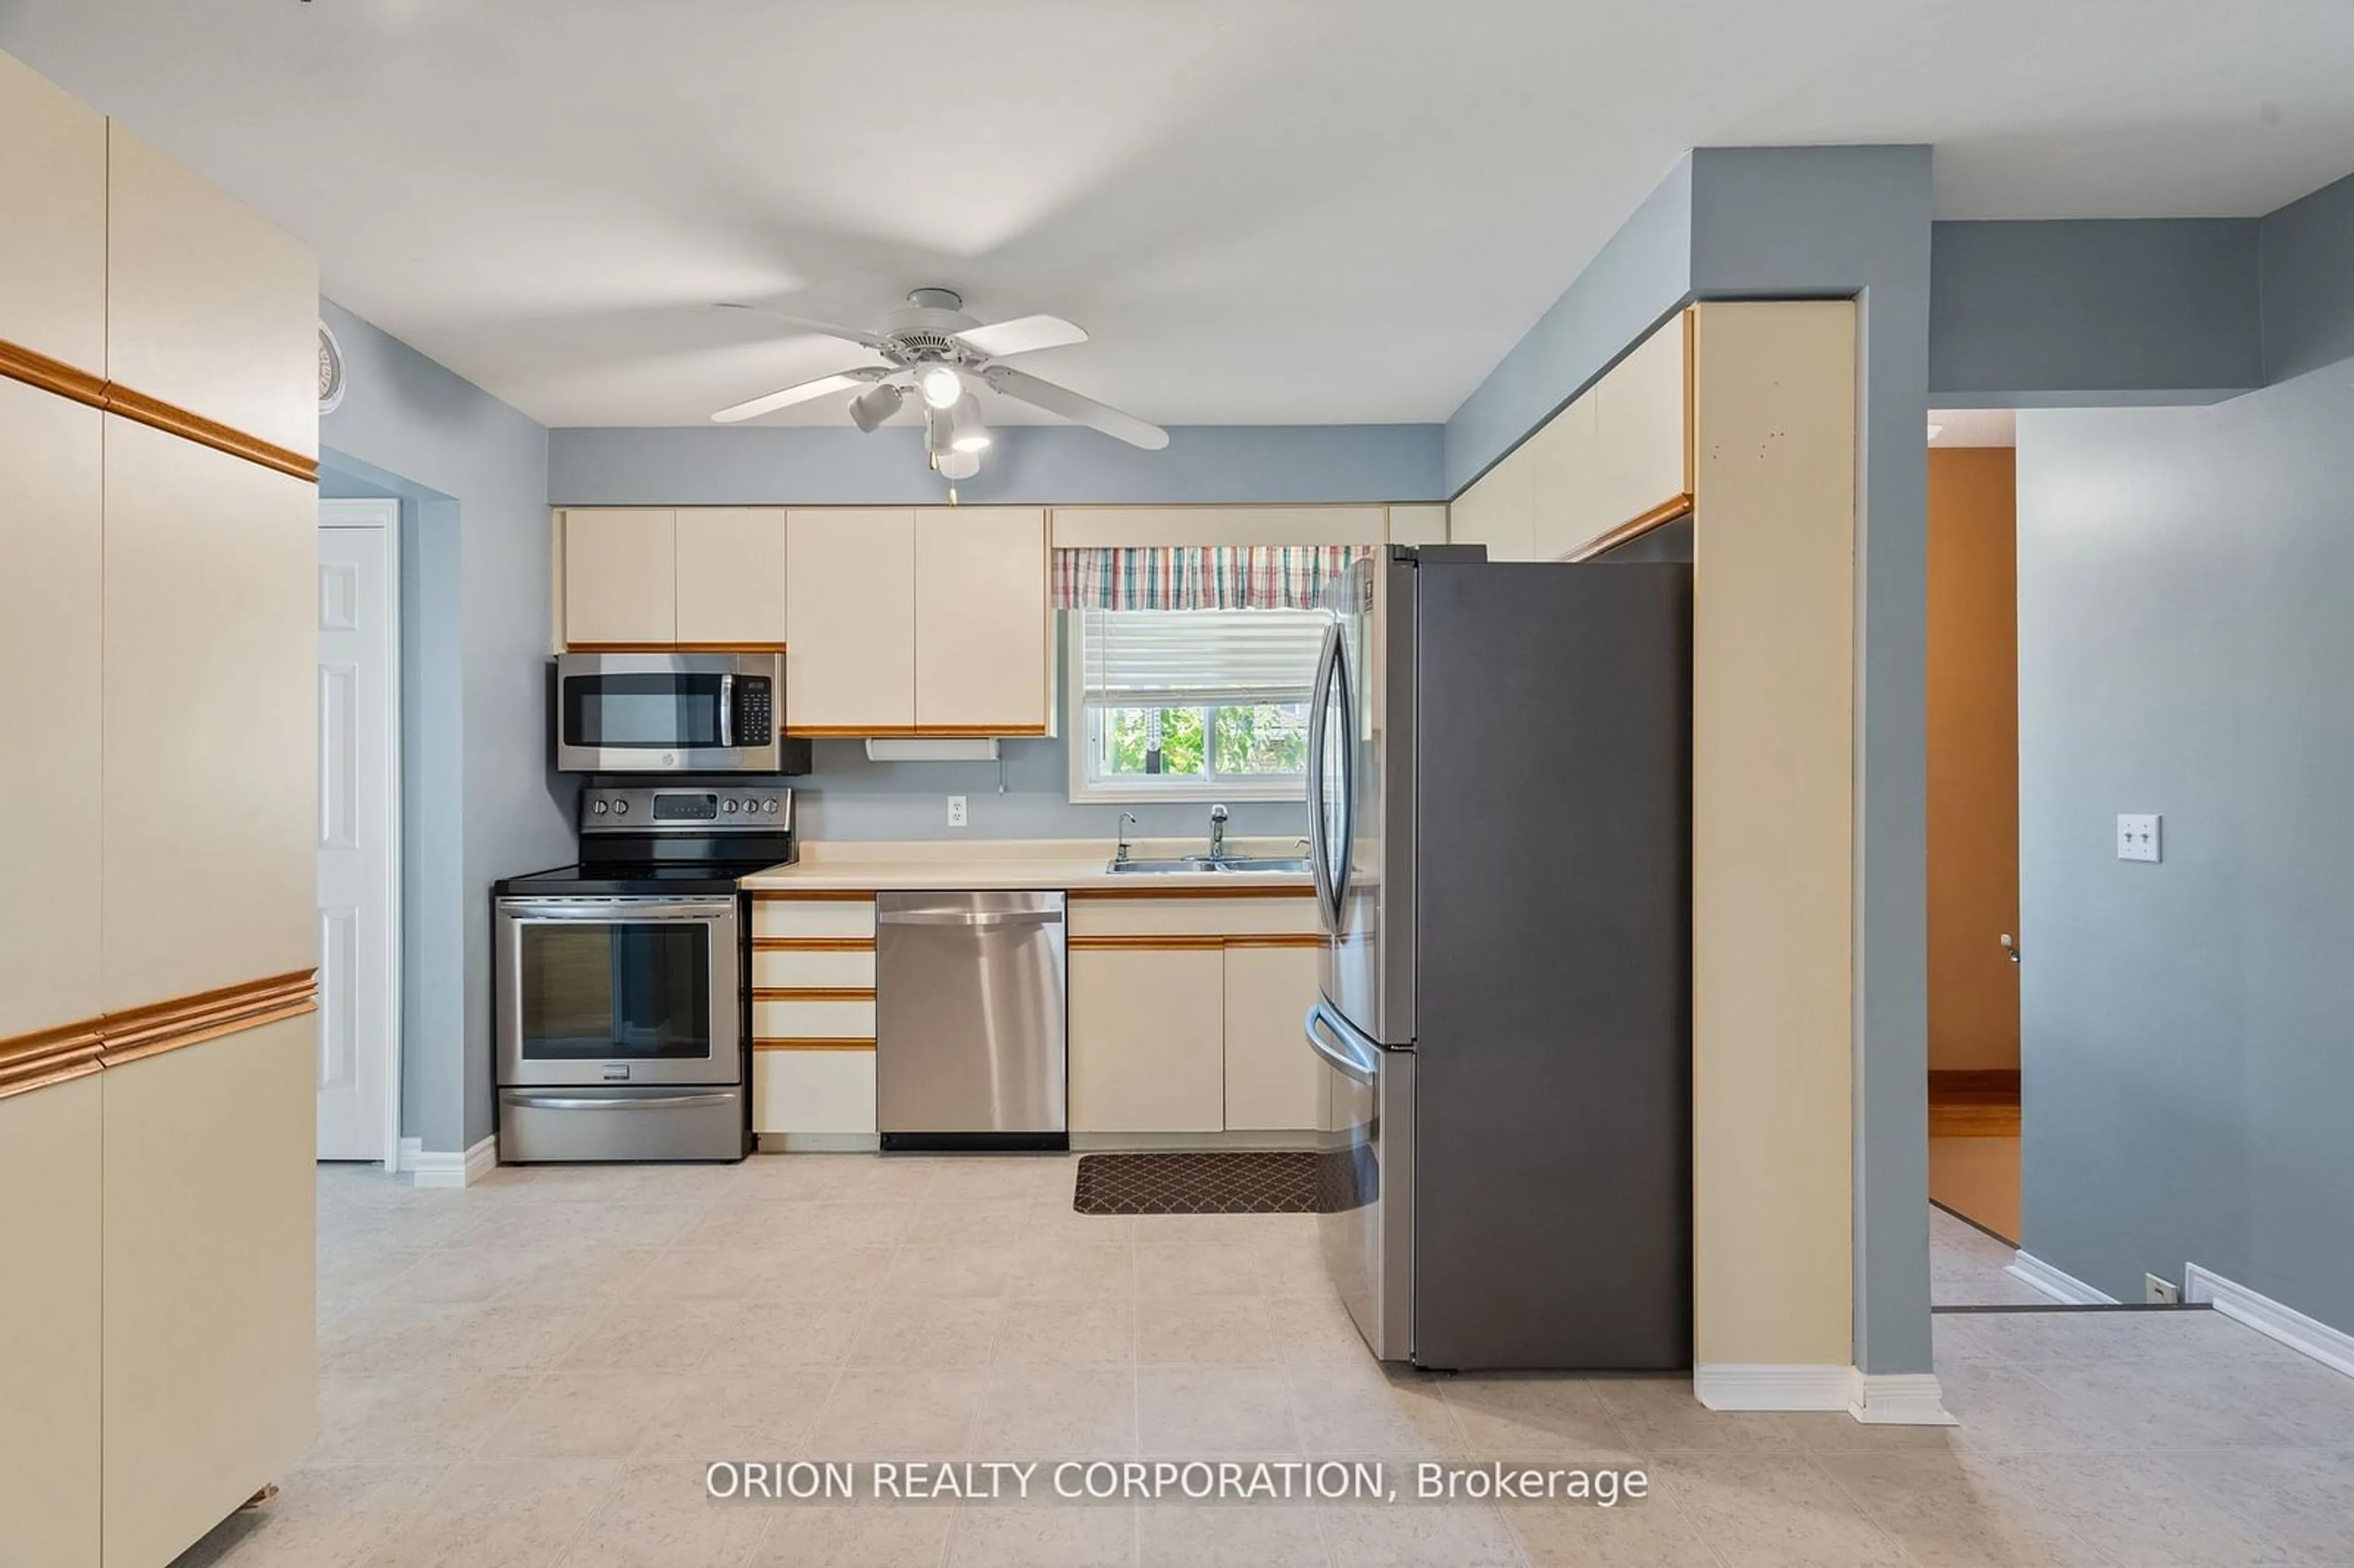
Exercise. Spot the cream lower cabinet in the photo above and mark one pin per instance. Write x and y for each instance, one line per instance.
(1275, 1082)
(814, 1016)
(209, 1318)
(1148, 1039)
(1185, 1015)
(49, 1305)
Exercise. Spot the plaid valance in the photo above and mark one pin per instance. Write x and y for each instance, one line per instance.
(1200, 577)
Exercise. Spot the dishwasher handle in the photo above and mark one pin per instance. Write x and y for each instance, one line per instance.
(973, 918)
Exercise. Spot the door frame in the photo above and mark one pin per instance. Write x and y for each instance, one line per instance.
(385, 516)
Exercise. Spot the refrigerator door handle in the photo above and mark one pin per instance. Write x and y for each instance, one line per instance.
(1339, 1047)
(1317, 869)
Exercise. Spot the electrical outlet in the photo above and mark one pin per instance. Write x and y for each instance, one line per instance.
(955, 811)
(2137, 835)
(2159, 1292)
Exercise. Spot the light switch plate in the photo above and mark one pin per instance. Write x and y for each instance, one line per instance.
(2137, 835)
(956, 812)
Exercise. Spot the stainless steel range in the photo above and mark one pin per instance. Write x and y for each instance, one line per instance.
(620, 982)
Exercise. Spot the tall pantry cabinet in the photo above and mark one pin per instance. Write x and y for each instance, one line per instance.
(158, 517)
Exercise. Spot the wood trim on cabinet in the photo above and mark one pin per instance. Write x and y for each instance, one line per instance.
(46, 1057)
(673, 647)
(163, 1026)
(804, 895)
(36, 369)
(911, 731)
(812, 944)
(1195, 942)
(1156, 944)
(1659, 517)
(812, 993)
(1958, 1083)
(76, 1050)
(1281, 890)
(813, 1044)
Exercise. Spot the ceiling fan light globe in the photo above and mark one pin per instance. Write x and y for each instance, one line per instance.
(874, 405)
(940, 386)
(959, 464)
(966, 432)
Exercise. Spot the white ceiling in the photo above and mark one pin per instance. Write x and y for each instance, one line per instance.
(1267, 211)
(1974, 428)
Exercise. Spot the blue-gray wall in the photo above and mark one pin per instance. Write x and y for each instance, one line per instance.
(2184, 649)
(477, 800)
(2095, 311)
(836, 465)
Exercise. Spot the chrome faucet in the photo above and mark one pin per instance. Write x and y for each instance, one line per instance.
(1119, 855)
(1217, 832)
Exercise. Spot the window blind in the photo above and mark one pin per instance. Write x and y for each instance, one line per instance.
(1190, 658)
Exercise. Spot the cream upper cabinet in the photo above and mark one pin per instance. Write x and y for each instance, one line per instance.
(1562, 464)
(1498, 511)
(210, 874)
(620, 578)
(850, 619)
(731, 575)
(1274, 1081)
(51, 523)
(208, 307)
(983, 658)
(1640, 413)
(53, 189)
(1147, 1040)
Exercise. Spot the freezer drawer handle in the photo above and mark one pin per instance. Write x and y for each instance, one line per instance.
(644, 1102)
(961, 917)
(1338, 1050)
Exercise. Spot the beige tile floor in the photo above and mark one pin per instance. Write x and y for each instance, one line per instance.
(1969, 1267)
(532, 1372)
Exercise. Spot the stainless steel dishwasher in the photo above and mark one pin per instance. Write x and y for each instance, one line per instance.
(969, 1027)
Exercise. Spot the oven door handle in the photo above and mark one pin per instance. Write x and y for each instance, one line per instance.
(618, 912)
(641, 1102)
(726, 713)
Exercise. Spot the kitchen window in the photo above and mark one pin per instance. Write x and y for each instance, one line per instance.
(1191, 704)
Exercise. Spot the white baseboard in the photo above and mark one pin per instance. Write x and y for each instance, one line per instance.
(2061, 1288)
(432, 1168)
(1738, 1386)
(1900, 1399)
(2333, 1348)
(1887, 1399)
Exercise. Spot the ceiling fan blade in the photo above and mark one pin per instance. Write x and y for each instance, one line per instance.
(1021, 335)
(804, 323)
(800, 392)
(1074, 407)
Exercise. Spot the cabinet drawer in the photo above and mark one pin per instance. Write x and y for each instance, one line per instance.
(1256, 914)
(797, 1018)
(813, 916)
(804, 968)
(814, 1091)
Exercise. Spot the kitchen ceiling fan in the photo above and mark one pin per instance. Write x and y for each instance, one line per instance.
(935, 350)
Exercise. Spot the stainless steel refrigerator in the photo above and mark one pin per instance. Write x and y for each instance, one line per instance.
(1500, 802)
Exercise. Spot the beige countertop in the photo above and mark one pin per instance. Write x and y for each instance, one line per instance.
(1015, 863)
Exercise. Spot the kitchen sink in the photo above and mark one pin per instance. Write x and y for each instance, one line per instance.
(1202, 863)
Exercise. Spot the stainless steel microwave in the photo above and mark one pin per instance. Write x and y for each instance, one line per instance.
(672, 712)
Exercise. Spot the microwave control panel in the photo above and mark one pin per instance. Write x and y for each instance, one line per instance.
(753, 722)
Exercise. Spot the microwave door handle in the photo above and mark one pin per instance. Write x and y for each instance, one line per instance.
(726, 713)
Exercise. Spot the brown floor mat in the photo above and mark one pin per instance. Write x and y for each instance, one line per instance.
(1221, 1182)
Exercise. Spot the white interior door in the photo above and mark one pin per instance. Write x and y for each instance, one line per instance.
(359, 858)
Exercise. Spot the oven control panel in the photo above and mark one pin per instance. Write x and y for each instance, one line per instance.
(740, 808)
